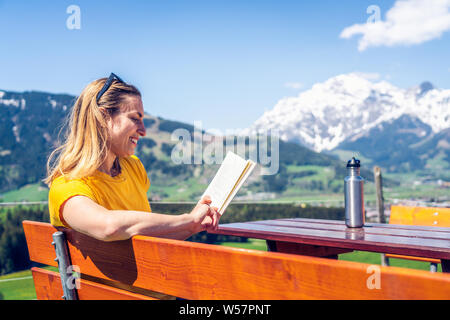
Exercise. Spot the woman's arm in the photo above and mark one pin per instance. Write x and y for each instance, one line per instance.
(84, 215)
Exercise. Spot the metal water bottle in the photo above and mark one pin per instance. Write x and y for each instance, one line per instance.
(354, 195)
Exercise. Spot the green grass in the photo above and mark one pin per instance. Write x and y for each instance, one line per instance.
(13, 287)
(416, 191)
(438, 163)
(19, 285)
(30, 192)
(188, 189)
(255, 244)
(321, 173)
(375, 258)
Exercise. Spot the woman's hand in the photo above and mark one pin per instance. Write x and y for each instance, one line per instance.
(204, 217)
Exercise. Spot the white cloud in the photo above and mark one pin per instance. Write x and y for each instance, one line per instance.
(368, 75)
(408, 22)
(294, 85)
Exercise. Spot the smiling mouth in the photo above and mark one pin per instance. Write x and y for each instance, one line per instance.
(134, 141)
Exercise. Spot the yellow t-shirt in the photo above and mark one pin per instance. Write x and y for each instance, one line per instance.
(126, 191)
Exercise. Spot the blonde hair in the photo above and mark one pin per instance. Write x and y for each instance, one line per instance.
(85, 147)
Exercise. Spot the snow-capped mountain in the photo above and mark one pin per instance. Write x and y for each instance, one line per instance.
(349, 105)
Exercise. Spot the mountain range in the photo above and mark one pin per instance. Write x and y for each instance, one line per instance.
(399, 129)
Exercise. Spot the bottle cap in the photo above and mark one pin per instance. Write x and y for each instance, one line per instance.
(353, 163)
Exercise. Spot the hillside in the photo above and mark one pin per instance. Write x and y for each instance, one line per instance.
(29, 126)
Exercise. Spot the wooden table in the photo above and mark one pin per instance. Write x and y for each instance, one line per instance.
(328, 238)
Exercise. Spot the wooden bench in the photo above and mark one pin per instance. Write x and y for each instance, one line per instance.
(130, 269)
(420, 216)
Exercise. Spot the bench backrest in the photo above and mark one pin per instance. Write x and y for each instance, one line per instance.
(420, 216)
(128, 269)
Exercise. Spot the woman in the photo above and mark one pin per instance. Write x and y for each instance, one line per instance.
(97, 186)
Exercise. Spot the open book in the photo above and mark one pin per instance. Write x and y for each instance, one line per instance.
(228, 180)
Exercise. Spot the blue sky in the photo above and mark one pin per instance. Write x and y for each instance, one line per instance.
(221, 62)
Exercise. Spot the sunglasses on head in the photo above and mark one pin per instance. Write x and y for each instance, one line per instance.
(107, 84)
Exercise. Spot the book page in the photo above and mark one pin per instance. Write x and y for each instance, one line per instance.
(248, 169)
(225, 180)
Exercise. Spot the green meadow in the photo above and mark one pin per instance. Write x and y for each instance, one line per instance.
(309, 183)
(19, 285)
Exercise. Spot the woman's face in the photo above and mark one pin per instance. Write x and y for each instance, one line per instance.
(126, 127)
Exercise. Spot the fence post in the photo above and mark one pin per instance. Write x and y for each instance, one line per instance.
(380, 205)
(380, 199)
